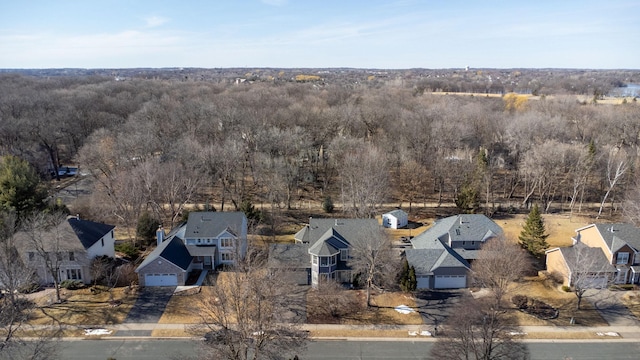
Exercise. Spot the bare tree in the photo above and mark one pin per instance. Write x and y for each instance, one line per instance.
(245, 316)
(47, 240)
(500, 264)
(617, 166)
(364, 174)
(477, 331)
(588, 269)
(15, 309)
(632, 203)
(373, 258)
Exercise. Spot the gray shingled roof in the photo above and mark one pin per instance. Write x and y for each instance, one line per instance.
(594, 258)
(621, 235)
(347, 228)
(89, 232)
(397, 213)
(172, 250)
(427, 260)
(208, 224)
(464, 227)
(289, 256)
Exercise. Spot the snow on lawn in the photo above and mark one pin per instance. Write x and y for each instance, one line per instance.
(97, 332)
(404, 309)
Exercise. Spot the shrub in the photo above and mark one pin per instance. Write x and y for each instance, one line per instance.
(147, 227)
(565, 288)
(520, 301)
(127, 248)
(327, 205)
(72, 284)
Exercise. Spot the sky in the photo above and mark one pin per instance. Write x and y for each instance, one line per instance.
(392, 34)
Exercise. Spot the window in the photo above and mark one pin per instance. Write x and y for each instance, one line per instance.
(227, 256)
(199, 241)
(314, 259)
(324, 261)
(59, 256)
(623, 258)
(458, 232)
(226, 242)
(464, 243)
(344, 254)
(334, 258)
(102, 240)
(74, 274)
(32, 255)
(72, 256)
(111, 235)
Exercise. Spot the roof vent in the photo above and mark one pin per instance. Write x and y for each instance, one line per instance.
(338, 222)
(612, 229)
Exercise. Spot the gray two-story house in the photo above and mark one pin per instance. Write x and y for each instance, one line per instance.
(206, 241)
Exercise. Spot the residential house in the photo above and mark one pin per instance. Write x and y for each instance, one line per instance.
(618, 246)
(74, 243)
(327, 243)
(442, 254)
(395, 219)
(292, 261)
(206, 241)
(580, 265)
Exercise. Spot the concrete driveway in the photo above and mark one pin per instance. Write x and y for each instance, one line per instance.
(150, 305)
(436, 305)
(611, 308)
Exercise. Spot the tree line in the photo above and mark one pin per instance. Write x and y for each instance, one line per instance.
(157, 145)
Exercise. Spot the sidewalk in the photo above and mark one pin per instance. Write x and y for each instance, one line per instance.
(627, 333)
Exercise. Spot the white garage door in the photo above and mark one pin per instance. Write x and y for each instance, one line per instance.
(161, 280)
(450, 281)
(422, 282)
(595, 282)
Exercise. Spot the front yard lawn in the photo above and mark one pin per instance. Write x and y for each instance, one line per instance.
(82, 307)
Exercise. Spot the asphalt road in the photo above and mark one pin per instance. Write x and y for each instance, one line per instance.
(349, 350)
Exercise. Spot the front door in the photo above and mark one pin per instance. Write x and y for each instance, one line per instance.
(207, 262)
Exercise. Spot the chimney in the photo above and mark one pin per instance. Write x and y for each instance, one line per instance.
(160, 235)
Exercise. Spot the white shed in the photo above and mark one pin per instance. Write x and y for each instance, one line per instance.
(395, 219)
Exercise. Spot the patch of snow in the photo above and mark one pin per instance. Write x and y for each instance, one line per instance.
(413, 333)
(608, 333)
(517, 333)
(425, 333)
(404, 309)
(88, 332)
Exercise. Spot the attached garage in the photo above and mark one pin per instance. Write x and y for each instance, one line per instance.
(450, 281)
(422, 281)
(161, 279)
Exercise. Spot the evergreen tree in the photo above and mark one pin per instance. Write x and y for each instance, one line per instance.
(147, 227)
(533, 237)
(408, 280)
(468, 199)
(327, 205)
(20, 187)
(412, 282)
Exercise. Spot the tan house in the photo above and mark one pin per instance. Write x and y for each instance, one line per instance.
(609, 252)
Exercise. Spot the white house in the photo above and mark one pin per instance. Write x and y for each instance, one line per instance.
(75, 242)
(395, 219)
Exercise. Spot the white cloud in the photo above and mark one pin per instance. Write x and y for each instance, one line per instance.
(155, 21)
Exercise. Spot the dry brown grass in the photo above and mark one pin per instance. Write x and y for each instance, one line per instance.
(559, 227)
(81, 307)
(632, 301)
(382, 310)
(547, 291)
(186, 309)
(171, 333)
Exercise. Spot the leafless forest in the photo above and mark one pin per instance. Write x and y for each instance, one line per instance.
(157, 141)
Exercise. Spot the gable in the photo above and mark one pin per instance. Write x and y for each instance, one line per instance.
(89, 232)
(172, 250)
(210, 224)
(465, 227)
